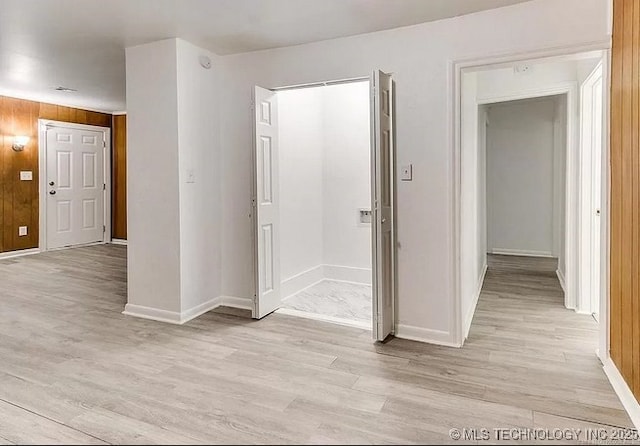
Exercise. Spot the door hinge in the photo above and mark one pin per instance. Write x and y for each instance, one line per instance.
(104, 186)
(104, 144)
(104, 229)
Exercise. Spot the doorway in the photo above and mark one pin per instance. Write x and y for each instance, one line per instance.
(524, 198)
(323, 202)
(75, 185)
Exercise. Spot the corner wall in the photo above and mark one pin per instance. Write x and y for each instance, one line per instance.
(173, 182)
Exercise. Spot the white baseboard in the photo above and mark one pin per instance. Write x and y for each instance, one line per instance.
(429, 336)
(243, 303)
(560, 275)
(472, 310)
(198, 310)
(301, 281)
(118, 241)
(19, 253)
(623, 391)
(174, 317)
(520, 252)
(347, 274)
(324, 318)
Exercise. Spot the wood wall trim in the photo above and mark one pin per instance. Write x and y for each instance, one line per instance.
(119, 182)
(625, 193)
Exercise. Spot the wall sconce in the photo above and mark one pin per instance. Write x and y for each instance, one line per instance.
(19, 142)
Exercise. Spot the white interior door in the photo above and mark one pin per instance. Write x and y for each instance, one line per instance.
(75, 199)
(382, 176)
(596, 191)
(591, 116)
(266, 203)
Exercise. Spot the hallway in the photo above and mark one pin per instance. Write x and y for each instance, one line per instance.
(81, 372)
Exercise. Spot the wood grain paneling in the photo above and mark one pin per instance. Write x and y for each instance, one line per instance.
(625, 192)
(119, 181)
(19, 205)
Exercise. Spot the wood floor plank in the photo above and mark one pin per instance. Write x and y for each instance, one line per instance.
(82, 372)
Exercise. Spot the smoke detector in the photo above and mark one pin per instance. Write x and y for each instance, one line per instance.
(521, 69)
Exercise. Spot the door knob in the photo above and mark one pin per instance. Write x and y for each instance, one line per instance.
(51, 183)
(52, 192)
(384, 220)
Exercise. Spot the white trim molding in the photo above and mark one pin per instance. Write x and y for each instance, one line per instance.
(472, 310)
(521, 252)
(623, 391)
(301, 281)
(347, 274)
(118, 241)
(325, 318)
(419, 334)
(560, 275)
(43, 124)
(242, 303)
(19, 253)
(179, 318)
(172, 317)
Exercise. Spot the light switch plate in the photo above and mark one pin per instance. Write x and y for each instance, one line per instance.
(22, 231)
(191, 176)
(406, 172)
(26, 175)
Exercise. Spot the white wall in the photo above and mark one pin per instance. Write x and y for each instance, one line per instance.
(153, 204)
(346, 175)
(199, 156)
(173, 181)
(324, 179)
(300, 125)
(419, 58)
(520, 177)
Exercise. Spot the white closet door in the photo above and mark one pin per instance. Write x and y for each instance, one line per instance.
(266, 203)
(382, 175)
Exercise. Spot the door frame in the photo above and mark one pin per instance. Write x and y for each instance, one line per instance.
(455, 68)
(253, 185)
(42, 175)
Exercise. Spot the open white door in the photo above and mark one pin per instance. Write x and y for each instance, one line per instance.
(591, 123)
(383, 231)
(266, 205)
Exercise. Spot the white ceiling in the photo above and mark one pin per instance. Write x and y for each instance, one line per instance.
(80, 43)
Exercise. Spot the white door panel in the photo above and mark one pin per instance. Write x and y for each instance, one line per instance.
(75, 186)
(383, 230)
(266, 203)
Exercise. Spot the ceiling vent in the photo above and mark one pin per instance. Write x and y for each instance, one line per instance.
(66, 89)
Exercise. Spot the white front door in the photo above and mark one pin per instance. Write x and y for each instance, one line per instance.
(75, 186)
(383, 231)
(266, 204)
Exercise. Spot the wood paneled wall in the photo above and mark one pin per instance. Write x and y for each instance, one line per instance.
(625, 192)
(19, 203)
(119, 182)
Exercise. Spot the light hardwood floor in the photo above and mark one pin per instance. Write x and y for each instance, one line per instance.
(73, 369)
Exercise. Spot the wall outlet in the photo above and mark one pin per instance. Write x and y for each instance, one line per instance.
(26, 175)
(406, 172)
(22, 231)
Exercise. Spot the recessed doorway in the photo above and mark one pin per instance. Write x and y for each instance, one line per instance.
(323, 182)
